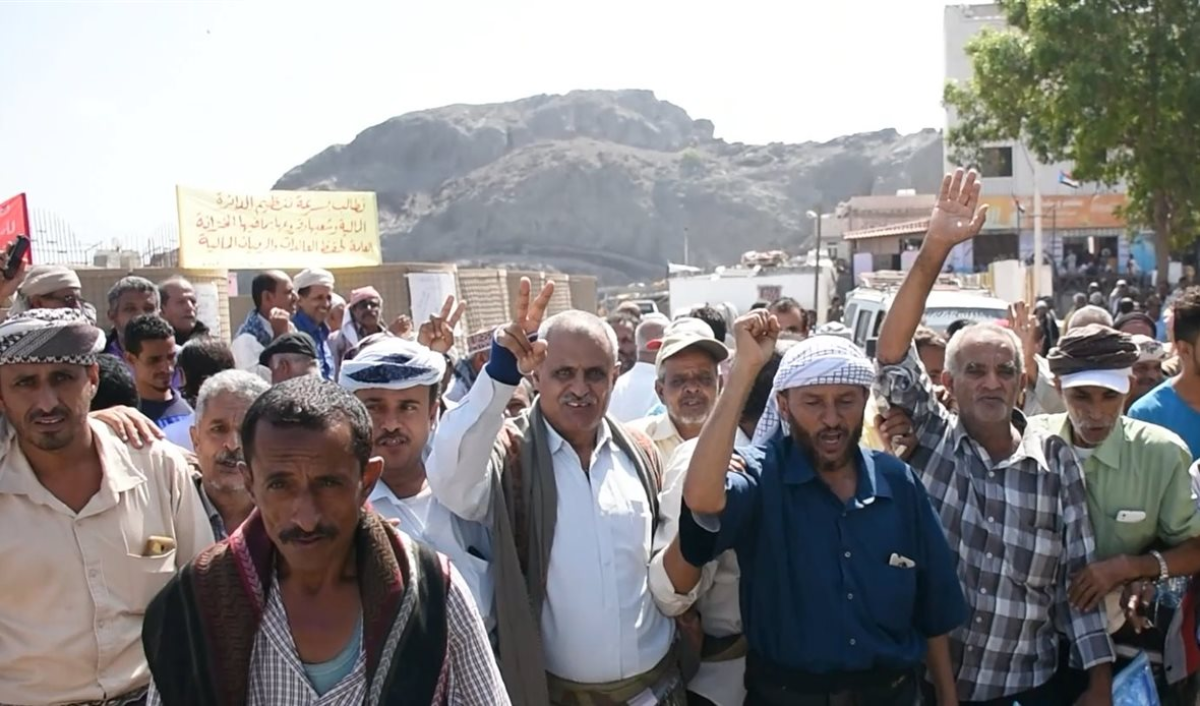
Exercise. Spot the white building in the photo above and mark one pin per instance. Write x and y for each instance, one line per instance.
(1074, 220)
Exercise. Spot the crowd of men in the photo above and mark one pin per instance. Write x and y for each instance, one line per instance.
(572, 510)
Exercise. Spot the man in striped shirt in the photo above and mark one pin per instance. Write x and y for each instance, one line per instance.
(1012, 499)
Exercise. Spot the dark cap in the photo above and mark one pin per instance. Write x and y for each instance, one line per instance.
(295, 342)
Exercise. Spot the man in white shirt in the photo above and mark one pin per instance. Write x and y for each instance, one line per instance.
(274, 303)
(633, 397)
(688, 380)
(399, 381)
(572, 500)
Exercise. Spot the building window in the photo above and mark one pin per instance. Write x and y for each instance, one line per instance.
(996, 162)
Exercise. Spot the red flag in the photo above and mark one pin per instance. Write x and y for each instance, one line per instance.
(14, 221)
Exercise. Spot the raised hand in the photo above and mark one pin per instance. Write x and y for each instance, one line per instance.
(401, 326)
(437, 334)
(957, 216)
(281, 322)
(1025, 325)
(756, 334)
(529, 315)
(9, 287)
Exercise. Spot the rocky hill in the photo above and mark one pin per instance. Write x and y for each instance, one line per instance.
(602, 182)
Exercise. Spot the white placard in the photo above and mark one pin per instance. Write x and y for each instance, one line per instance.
(208, 305)
(427, 291)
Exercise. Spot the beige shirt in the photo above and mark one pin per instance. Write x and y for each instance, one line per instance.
(662, 432)
(76, 586)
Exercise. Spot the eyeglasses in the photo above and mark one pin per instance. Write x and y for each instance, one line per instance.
(73, 301)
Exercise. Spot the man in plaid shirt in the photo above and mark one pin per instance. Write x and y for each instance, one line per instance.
(1012, 499)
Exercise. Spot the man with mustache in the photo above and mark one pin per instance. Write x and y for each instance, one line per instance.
(216, 433)
(847, 584)
(314, 599)
(1011, 496)
(178, 298)
(1147, 371)
(399, 382)
(688, 379)
(365, 318)
(1145, 519)
(91, 528)
(571, 498)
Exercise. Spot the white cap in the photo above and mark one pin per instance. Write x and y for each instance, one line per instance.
(313, 276)
(1149, 350)
(1115, 380)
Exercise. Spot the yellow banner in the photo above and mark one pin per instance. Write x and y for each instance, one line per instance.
(284, 229)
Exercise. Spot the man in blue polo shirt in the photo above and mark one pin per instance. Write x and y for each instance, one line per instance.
(847, 582)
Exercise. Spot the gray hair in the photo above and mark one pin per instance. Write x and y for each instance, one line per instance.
(651, 329)
(1090, 314)
(239, 383)
(577, 321)
(130, 284)
(973, 331)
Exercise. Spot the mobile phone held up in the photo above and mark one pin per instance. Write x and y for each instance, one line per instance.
(16, 253)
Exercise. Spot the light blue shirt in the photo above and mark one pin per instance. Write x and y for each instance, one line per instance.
(1163, 406)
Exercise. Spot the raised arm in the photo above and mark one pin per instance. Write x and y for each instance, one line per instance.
(704, 486)
(956, 218)
(459, 469)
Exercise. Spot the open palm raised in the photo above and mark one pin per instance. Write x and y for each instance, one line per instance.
(957, 216)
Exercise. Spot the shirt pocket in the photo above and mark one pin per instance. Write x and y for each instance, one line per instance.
(1133, 536)
(893, 597)
(1034, 560)
(140, 578)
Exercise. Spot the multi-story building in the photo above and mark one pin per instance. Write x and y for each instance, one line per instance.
(1079, 223)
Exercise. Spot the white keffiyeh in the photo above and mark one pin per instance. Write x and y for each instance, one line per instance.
(817, 360)
(393, 364)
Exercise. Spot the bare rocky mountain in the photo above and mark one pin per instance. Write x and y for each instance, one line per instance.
(602, 182)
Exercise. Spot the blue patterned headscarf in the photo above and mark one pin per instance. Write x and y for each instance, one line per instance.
(393, 363)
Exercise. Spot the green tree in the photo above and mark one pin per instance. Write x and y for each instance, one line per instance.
(1112, 85)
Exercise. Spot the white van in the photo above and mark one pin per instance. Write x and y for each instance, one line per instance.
(866, 306)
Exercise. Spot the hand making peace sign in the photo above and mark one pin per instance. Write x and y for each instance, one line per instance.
(437, 334)
(515, 336)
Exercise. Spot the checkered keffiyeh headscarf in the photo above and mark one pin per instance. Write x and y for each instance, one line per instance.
(818, 360)
(50, 336)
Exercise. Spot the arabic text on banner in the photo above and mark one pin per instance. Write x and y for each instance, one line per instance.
(284, 229)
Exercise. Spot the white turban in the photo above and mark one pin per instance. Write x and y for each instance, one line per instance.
(313, 276)
(817, 360)
(45, 279)
(393, 364)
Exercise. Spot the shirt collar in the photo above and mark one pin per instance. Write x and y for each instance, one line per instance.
(1032, 444)
(798, 470)
(120, 473)
(663, 429)
(1109, 451)
(214, 515)
(555, 441)
(307, 325)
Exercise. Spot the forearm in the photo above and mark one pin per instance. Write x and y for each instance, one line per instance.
(458, 469)
(1100, 680)
(941, 671)
(1183, 560)
(904, 315)
(704, 485)
(683, 575)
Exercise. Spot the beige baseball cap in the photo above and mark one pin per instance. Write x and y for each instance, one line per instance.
(682, 338)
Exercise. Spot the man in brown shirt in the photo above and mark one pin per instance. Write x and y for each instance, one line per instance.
(90, 528)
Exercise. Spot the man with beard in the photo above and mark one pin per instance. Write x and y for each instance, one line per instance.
(314, 599)
(315, 289)
(399, 382)
(178, 298)
(1011, 496)
(847, 584)
(365, 310)
(571, 498)
(150, 350)
(274, 299)
(48, 287)
(1175, 404)
(1138, 488)
(1148, 370)
(91, 528)
(217, 440)
(687, 384)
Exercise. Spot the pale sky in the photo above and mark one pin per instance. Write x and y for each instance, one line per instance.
(104, 106)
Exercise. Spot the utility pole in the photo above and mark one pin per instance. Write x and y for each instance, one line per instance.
(686, 243)
(816, 216)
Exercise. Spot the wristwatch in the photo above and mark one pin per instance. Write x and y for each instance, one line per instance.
(1163, 572)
